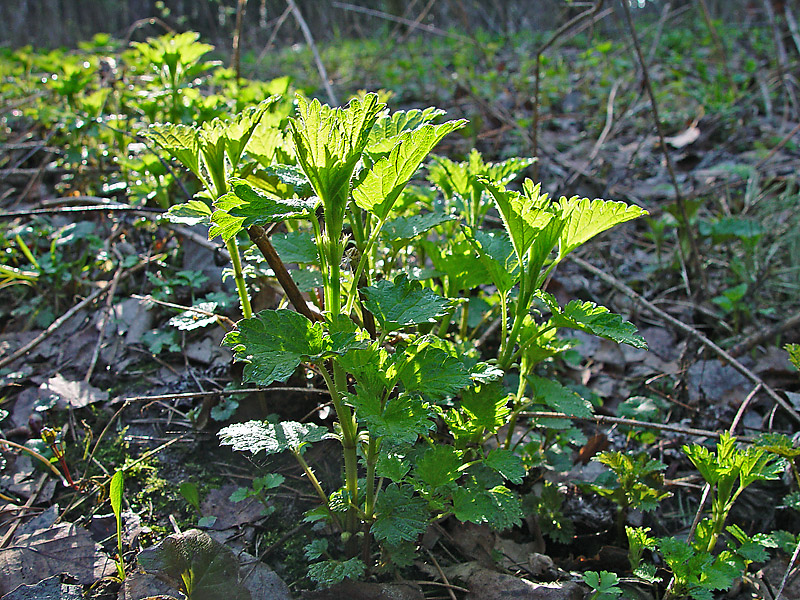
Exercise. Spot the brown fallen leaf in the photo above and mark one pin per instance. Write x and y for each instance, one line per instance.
(62, 548)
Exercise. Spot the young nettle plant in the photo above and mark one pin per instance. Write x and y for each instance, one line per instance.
(401, 385)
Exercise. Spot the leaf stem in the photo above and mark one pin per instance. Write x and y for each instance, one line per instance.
(238, 276)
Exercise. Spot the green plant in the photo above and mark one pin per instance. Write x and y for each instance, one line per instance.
(380, 339)
(633, 482)
(603, 584)
(115, 495)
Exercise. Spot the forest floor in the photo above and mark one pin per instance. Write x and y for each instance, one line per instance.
(711, 278)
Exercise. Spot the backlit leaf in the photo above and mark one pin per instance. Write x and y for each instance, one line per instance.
(586, 218)
(182, 142)
(271, 438)
(505, 462)
(403, 302)
(559, 398)
(406, 228)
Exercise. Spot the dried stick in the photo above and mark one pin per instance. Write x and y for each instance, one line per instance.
(694, 256)
(614, 282)
(603, 134)
(721, 51)
(184, 395)
(537, 70)
(228, 321)
(258, 235)
(278, 23)
(55, 325)
(764, 335)
(10, 533)
(310, 41)
(413, 24)
(237, 38)
(102, 325)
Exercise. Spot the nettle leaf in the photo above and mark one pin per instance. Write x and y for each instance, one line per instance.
(794, 354)
(458, 261)
(400, 515)
(559, 398)
(330, 572)
(223, 223)
(274, 342)
(264, 144)
(508, 512)
(293, 177)
(378, 190)
(508, 464)
(524, 215)
(497, 254)
(383, 135)
(271, 438)
(238, 131)
(592, 318)
(586, 218)
(306, 280)
(432, 371)
(329, 143)
(392, 465)
(191, 213)
(261, 209)
(193, 561)
(190, 320)
(403, 302)
(401, 421)
(182, 142)
(483, 408)
(482, 373)
(439, 467)
(296, 247)
(406, 228)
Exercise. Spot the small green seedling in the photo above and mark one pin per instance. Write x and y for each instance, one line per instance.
(115, 495)
(604, 585)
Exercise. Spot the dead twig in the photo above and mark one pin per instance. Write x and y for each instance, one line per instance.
(10, 533)
(102, 325)
(694, 252)
(607, 420)
(765, 335)
(413, 24)
(311, 44)
(230, 323)
(184, 395)
(442, 575)
(726, 356)
(71, 313)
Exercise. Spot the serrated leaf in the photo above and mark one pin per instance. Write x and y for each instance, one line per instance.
(182, 142)
(190, 320)
(273, 343)
(204, 568)
(431, 371)
(223, 223)
(497, 254)
(439, 467)
(472, 505)
(525, 215)
(482, 373)
(316, 548)
(378, 190)
(392, 465)
(295, 247)
(383, 135)
(559, 398)
(458, 261)
(794, 354)
(291, 176)
(258, 436)
(586, 218)
(399, 515)
(505, 462)
(330, 572)
(403, 302)
(592, 318)
(306, 279)
(238, 131)
(264, 143)
(191, 213)
(401, 421)
(261, 209)
(406, 228)
(507, 511)
(329, 143)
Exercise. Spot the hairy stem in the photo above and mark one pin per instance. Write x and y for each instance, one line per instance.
(238, 276)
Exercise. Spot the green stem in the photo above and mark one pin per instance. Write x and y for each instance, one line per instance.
(316, 485)
(238, 276)
(362, 262)
(518, 403)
